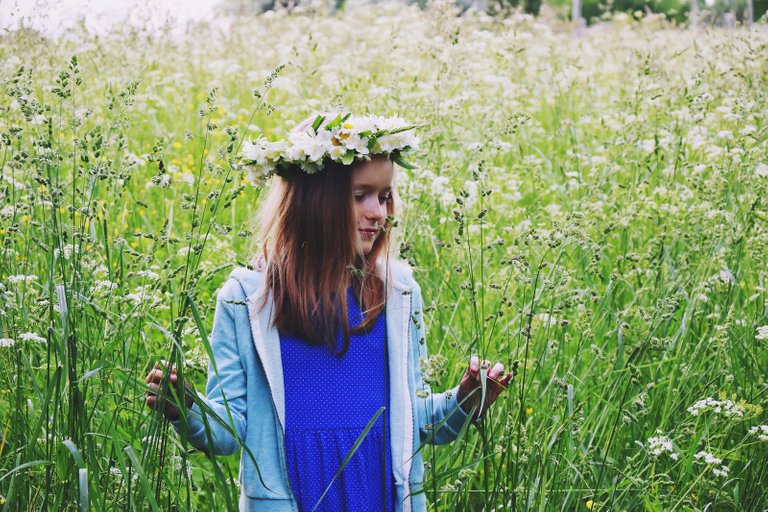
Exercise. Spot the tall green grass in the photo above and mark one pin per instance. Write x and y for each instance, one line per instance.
(590, 210)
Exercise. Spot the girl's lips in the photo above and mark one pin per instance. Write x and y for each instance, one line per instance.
(368, 232)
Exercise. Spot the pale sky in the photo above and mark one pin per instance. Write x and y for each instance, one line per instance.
(51, 16)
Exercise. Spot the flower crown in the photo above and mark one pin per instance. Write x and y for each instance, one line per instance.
(342, 138)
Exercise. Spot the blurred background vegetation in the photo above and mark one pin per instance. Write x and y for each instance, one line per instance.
(711, 12)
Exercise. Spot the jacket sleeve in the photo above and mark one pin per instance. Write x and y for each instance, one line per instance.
(225, 394)
(440, 416)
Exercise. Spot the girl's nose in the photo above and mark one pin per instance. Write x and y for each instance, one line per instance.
(375, 210)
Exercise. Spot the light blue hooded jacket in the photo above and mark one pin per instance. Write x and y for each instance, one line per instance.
(245, 390)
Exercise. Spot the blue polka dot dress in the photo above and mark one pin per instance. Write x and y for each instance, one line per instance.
(329, 400)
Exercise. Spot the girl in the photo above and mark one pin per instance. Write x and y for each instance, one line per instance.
(320, 344)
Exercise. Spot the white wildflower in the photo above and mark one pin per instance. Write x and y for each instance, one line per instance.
(708, 458)
(762, 170)
(67, 251)
(762, 333)
(718, 468)
(162, 181)
(179, 464)
(727, 408)
(103, 287)
(21, 278)
(196, 357)
(100, 272)
(188, 178)
(761, 431)
(661, 444)
(149, 274)
(7, 342)
(31, 336)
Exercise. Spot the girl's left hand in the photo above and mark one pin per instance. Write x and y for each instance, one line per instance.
(470, 390)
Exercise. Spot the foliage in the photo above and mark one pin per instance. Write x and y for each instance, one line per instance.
(594, 211)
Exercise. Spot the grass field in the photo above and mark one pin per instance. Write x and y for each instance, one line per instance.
(593, 208)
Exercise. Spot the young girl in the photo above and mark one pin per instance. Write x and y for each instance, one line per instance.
(323, 338)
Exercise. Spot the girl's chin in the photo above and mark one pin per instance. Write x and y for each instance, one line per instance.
(364, 248)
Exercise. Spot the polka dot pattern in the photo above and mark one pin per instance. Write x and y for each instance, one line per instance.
(329, 400)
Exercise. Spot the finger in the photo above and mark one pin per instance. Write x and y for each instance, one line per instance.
(501, 384)
(496, 371)
(474, 365)
(506, 379)
(155, 376)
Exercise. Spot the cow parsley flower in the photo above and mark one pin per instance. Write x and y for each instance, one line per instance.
(103, 287)
(31, 336)
(727, 408)
(718, 468)
(21, 279)
(149, 274)
(7, 342)
(762, 333)
(659, 445)
(761, 431)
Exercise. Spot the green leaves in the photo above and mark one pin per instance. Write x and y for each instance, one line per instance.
(334, 123)
(317, 122)
(348, 157)
(397, 157)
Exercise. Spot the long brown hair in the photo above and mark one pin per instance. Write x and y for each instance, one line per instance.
(309, 234)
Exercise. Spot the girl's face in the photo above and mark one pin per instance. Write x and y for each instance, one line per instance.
(372, 190)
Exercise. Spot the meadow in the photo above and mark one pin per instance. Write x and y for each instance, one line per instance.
(592, 210)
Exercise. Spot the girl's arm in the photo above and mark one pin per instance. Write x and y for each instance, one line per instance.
(443, 415)
(439, 415)
(225, 393)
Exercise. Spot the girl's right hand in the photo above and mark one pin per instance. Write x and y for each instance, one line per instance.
(154, 380)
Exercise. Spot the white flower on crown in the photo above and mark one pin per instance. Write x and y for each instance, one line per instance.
(319, 145)
(298, 146)
(389, 143)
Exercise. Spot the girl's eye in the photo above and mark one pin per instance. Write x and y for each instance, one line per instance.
(384, 199)
(359, 197)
